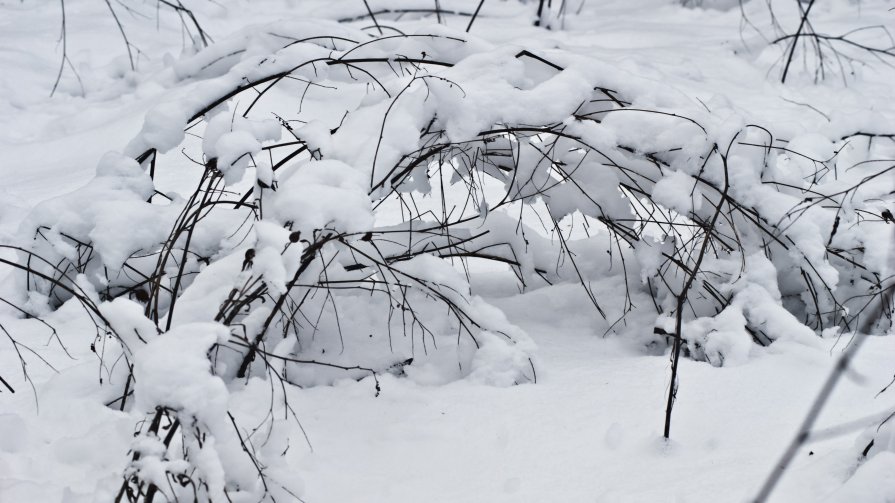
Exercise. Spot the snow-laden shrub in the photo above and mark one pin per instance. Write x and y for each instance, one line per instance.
(334, 246)
(803, 44)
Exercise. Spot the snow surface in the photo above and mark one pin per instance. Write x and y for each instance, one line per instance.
(589, 429)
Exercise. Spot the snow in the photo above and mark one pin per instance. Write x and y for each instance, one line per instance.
(234, 142)
(587, 431)
(678, 192)
(324, 194)
(163, 367)
(874, 482)
(435, 375)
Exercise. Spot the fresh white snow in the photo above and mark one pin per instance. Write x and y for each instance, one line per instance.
(541, 399)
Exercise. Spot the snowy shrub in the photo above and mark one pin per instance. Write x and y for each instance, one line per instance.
(337, 246)
(799, 47)
(194, 36)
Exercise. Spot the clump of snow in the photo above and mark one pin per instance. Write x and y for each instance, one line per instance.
(163, 127)
(111, 213)
(498, 362)
(721, 340)
(235, 142)
(173, 371)
(678, 191)
(128, 321)
(321, 194)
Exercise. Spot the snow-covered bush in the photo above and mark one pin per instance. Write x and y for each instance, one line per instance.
(343, 181)
(801, 46)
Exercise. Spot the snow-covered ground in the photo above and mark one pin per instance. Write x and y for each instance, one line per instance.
(590, 428)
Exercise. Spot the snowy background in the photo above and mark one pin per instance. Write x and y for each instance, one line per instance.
(468, 234)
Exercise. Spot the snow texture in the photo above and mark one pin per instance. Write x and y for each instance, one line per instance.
(403, 251)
